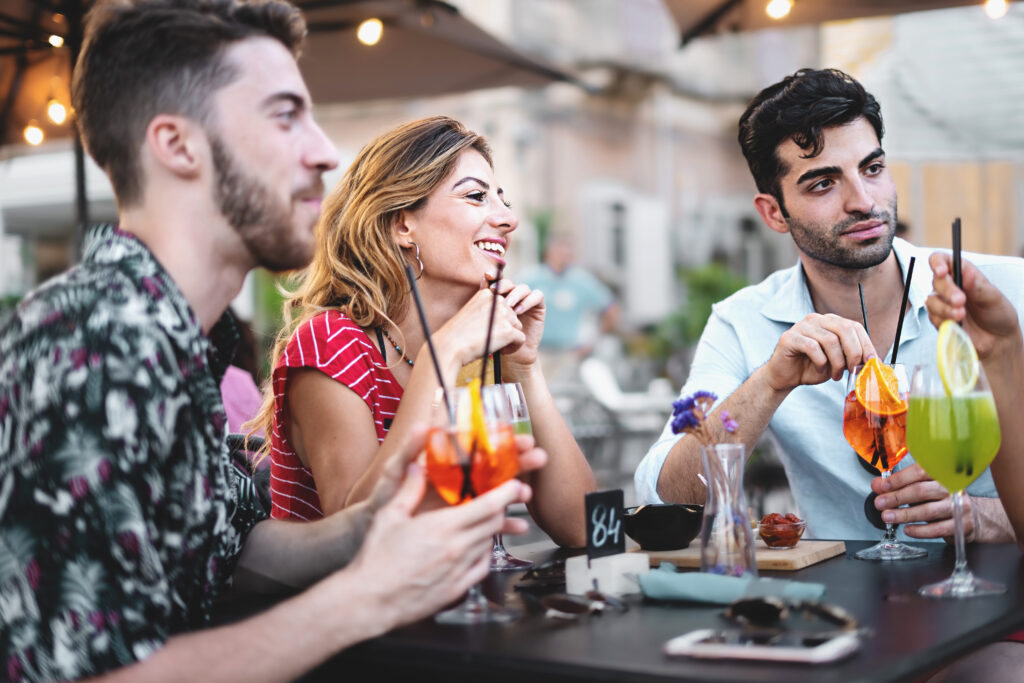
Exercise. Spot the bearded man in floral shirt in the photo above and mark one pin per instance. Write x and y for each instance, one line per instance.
(121, 518)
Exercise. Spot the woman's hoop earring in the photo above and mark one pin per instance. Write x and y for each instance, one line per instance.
(418, 260)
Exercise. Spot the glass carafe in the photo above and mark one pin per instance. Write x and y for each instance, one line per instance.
(726, 536)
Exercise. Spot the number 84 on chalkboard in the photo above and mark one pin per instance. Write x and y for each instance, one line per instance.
(604, 523)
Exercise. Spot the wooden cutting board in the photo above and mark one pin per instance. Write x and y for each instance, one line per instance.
(804, 554)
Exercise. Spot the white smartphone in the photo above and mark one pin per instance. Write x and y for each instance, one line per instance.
(717, 644)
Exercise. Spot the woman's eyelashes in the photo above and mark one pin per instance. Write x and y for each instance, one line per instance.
(481, 197)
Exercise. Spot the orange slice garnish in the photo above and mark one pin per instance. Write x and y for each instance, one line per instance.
(877, 389)
(477, 420)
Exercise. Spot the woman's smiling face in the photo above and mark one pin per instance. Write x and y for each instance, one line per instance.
(463, 228)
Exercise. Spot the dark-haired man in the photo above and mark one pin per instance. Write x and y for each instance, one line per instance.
(121, 520)
(813, 144)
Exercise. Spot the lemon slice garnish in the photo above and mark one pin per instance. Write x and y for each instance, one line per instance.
(957, 359)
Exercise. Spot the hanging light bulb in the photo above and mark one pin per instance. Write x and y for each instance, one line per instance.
(33, 133)
(57, 112)
(370, 31)
(777, 9)
(996, 9)
(55, 40)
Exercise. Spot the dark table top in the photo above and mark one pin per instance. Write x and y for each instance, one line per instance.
(912, 635)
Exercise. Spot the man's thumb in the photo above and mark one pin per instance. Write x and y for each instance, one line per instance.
(410, 494)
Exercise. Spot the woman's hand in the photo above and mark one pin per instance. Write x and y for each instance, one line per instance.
(466, 332)
(529, 305)
(987, 315)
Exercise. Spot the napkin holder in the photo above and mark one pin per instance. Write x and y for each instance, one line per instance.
(614, 574)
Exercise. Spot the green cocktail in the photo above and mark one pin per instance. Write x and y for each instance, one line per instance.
(953, 433)
(954, 438)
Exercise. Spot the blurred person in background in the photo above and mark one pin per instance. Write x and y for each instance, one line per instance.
(121, 522)
(813, 144)
(352, 370)
(580, 308)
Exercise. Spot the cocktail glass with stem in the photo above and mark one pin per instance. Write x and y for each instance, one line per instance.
(875, 424)
(954, 435)
(465, 459)
(501, 559)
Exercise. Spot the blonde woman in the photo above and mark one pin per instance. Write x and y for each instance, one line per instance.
(352, 370)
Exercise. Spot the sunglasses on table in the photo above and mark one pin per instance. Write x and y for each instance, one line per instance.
(771, 620)
(566, 606)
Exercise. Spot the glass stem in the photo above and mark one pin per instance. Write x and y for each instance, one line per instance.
(960, 568)
(890, 529)
(498, 545)
(475, 597)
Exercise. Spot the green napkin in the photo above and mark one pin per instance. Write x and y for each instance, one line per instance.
(667, 583)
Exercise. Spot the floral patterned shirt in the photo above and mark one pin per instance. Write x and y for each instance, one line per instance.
(121, 517)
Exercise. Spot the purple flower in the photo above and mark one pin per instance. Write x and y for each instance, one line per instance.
(688, 413)
(728, 424)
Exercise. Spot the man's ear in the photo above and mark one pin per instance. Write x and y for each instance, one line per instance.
(771, 213)
(174, 143)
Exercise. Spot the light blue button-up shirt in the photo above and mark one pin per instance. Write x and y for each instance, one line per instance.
(827, 482)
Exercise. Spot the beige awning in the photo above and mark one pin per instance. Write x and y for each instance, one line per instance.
(427, 48)
(703, 17)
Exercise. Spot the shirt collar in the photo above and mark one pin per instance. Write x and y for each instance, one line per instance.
(792, 300)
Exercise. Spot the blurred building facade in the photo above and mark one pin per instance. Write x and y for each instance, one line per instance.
(642, 165)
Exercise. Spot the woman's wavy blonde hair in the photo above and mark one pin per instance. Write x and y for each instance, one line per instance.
(358, 266)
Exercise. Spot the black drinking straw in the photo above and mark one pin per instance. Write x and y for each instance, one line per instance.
(863, 311)
(957, 273)
(430, 343)
(903, 310)
(497, 367)
(490, 325)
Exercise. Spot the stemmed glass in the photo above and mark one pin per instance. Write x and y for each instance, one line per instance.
(461, 464)
(954, 435)
(501, 559)
(875, 424)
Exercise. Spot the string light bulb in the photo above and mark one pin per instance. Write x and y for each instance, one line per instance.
(996, 9)
(55, 40)
(33, 134)
(370, 31)
(57, 112)
(777, 9)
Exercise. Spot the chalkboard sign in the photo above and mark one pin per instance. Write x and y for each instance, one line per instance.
(605, 535)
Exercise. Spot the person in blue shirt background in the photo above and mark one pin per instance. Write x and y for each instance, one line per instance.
(580, 307)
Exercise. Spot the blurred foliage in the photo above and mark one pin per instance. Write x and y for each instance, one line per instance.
(7, 304)
(542, 220)
(266, 318)
(705, 285)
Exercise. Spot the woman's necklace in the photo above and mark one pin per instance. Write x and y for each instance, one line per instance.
(401, 353)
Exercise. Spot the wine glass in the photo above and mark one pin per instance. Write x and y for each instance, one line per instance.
(462, 464)
(501, 559)
(954, 436)
(875, 424)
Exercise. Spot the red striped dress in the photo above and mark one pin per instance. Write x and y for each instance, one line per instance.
(334, 345)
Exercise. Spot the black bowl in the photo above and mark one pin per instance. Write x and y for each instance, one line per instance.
(664, 526)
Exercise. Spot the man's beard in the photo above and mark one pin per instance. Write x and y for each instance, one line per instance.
(252, 209)
(824, 244)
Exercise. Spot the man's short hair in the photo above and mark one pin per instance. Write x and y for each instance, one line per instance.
(142, 58)
(799, 107)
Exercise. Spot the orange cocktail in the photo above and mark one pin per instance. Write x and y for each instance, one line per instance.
(461, 470)
(875, 424)
(875, 416)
